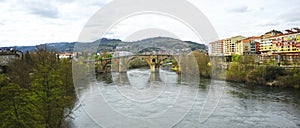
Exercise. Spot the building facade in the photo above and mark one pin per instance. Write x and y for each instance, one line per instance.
(216, 48)
(268, 46)
(230, 45)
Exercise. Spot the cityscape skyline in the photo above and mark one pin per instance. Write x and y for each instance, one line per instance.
(35, 22)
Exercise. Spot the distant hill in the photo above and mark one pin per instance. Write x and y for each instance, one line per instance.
(21, 48)
(103, 44)
(197, 46)
(165, 43)
(62, 46)
(110, 45)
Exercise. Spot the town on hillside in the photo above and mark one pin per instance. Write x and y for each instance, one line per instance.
(273, 45)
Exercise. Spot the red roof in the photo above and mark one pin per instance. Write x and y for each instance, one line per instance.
(247, 40)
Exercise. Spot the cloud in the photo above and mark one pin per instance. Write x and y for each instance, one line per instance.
(62, 20)
(238, 9)
(290, 16)
(1, 22)
(267, 23)
(66, 1)
(41, 8)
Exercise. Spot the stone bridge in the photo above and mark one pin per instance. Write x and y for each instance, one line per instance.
(182, 62)
(121, 64)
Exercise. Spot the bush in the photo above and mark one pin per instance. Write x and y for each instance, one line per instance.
(256, 76)
(236, 58)
(272, 72)
(290, 80)
(236, 72)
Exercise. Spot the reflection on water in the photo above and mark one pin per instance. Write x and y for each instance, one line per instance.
(106, 78)
(240, 105)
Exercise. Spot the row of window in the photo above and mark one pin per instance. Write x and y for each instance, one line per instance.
(283, 49)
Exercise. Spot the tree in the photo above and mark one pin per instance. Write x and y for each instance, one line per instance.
(236, 58)
(50, 88)
(108, 55)
(19, 71)
(2, 80)
(203, 63)
(37, 92)
(16, 111)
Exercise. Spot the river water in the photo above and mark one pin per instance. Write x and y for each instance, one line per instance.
(139, 98)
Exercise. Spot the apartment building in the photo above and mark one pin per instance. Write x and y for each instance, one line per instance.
(216, 48)
(254, 46)
(238, 47)
(268, 45)
(230, 47)
(287, 45)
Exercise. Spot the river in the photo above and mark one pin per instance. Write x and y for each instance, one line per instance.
(141, 99)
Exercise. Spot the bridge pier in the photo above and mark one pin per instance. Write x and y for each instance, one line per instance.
(178, 66)
(154, 68)
(153, 62)
(154, 76)
(115, 65)
(123, 65)
(178, 69)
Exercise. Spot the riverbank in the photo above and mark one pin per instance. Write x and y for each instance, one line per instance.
(245, 70)
(267, 75)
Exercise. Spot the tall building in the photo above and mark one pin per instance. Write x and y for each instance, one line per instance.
(238, 47)
(285, 44)
(245, 46)
(254, 46)
(251, 45)
(230, 45)
(266, 47)
(216, 48)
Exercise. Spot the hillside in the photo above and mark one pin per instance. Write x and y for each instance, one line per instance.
(111, 45)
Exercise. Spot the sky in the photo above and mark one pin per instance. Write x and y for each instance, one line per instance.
(32, 22)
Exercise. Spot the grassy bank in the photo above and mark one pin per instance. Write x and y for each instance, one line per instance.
(263, 75)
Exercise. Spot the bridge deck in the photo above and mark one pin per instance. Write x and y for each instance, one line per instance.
(143, 55)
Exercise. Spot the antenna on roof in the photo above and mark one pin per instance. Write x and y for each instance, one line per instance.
(289, 30)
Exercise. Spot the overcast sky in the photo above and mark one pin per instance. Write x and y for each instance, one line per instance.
(32, 22)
